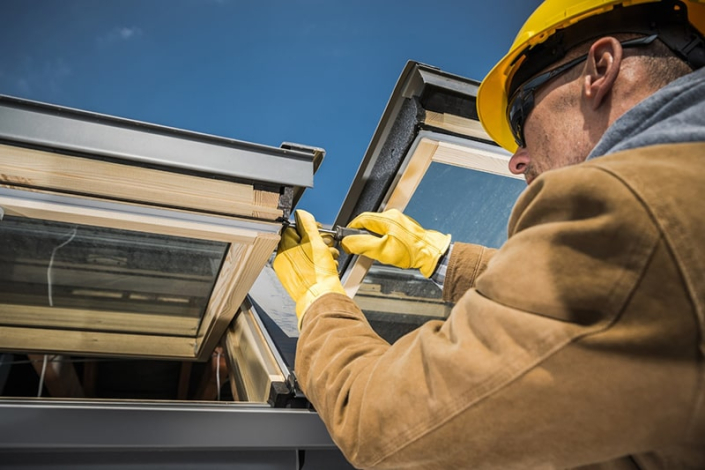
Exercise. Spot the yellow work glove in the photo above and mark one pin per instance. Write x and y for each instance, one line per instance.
(305, 265)
(402, 242)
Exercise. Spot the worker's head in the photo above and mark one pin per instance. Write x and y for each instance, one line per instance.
(577, 66)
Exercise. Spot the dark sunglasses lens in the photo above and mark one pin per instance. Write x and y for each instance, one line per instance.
(516, 113)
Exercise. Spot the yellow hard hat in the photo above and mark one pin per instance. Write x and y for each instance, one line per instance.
(550, 18)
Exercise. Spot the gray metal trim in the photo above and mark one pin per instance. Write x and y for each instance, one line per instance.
(441, 79)
(55, 127)
(125, 208)
(177, 459)
(65, 425)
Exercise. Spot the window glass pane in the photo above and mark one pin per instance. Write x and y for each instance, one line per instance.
(51, 269)
(471, 205)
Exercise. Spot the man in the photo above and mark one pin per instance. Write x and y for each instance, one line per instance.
(579, 342)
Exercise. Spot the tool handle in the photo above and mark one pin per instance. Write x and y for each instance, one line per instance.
(342, 232)
(339, 232)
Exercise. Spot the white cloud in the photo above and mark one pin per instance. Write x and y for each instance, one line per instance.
(127, 33)
(121, 33)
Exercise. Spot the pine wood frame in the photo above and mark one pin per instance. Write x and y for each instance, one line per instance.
(127, 182)
(254, 367)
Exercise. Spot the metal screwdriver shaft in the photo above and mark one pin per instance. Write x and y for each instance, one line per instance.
(339, 232)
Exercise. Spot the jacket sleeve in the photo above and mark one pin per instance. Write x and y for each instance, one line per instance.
(467, 262)
(555, 358)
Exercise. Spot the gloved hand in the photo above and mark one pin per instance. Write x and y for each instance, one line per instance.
(402, 241)
(305, 265)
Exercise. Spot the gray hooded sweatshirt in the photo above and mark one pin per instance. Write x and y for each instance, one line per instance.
(674, 114)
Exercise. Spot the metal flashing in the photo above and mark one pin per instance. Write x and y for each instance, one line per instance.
(49, 126)
(440, 79)
(71, 425)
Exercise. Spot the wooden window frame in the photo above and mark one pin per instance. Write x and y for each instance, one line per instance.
(255, 371)
(248, 251)
(126, 181)
(430, 147)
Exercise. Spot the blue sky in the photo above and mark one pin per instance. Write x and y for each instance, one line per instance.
(314, 72)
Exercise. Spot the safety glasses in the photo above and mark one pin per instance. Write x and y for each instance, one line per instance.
(522, 101)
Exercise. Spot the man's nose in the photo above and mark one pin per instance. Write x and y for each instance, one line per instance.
(519, 161)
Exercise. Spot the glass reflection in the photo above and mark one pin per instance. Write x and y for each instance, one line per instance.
(70, 266)
(472, 205)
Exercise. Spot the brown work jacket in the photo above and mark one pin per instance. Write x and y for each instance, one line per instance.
(579, 342)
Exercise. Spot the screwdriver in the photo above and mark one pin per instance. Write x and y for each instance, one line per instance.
(339, 232)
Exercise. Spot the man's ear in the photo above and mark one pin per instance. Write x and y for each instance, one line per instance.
(602, 68)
